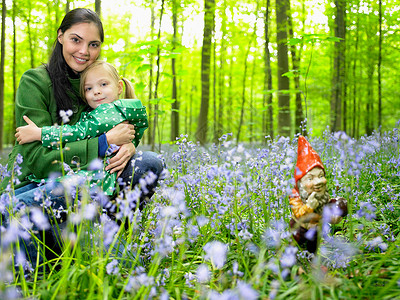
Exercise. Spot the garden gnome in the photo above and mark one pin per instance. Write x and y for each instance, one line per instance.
(309, 197)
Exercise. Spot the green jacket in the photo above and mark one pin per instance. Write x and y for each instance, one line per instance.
(94, 123)
(98, 121)
(35, 99)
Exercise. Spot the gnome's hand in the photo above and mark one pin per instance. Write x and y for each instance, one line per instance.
(312, 201)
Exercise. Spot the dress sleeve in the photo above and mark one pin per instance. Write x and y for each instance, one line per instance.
(91, 124)
(35, 99)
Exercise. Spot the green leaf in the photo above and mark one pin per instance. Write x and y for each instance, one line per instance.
(139, 87)
(143, 68)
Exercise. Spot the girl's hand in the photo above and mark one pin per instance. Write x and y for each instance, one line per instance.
(28, 133)
(123, 156)
(123, 133)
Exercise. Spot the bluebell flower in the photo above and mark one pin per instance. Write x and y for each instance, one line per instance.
(377, 243)
(111, 149)
(96, 164)
(245, 291)
(112, 267)
(65, 115)
(288, 258)
(39, 219)
(203, 273)
(189, 279)
(216, 253)
(20, 260)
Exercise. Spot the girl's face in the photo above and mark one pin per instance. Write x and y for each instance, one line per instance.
(100, 87)
(81, 45)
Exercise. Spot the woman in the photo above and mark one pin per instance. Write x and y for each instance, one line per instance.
(45, 93)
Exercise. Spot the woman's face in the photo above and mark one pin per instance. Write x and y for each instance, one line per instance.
(81, 45)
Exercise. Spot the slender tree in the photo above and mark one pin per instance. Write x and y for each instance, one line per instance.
(268, 115)
(175, 104)
(151, 137)
(67, 6)
(202, 127)
(338, 78)
(244, 83)
(158, 74)
(296, 54)
(14, 67)
(97, 7)
(380, 67)
(284, 120)
(221, 77)
(355, 115)
(3, 48)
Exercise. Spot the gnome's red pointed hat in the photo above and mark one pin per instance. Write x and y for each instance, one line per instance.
(307, 159)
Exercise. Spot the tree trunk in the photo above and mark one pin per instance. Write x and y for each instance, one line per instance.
(205, 71)
(379, 67)
(243, 93)
(338, 78)
(251, 106)
(67, 6)
(369, 120)
(299, 117)
(355, 113)
(151, 137)
(155, 119)
(221, 75)
(284, 120)
(174, 105)
(97, 7)
(215, 111)
(30, 39)
(3, 47)
(268, 115)
(14, 68)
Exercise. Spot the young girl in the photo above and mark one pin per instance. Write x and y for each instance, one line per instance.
(101, 87)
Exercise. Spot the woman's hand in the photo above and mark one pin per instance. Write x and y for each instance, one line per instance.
(28, 133)
(123, 156)
(123, 133)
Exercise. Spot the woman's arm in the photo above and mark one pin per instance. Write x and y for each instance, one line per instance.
(35, 99)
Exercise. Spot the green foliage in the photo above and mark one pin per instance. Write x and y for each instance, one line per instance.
(134, 52)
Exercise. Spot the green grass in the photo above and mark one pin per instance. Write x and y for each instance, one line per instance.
(233, 195)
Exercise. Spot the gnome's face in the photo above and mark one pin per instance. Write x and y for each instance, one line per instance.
(314, 181)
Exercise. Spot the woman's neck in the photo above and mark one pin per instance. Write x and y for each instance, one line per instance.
(72, 74)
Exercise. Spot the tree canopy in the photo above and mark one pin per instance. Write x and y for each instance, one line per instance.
(341, 59)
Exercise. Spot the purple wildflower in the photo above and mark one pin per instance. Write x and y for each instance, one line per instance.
(288, 258)
(112, 267)
(65, 115)
(245, 291)
(216, 253)
(112, 149)
(39, 219)
(96, 164)
(203, 273)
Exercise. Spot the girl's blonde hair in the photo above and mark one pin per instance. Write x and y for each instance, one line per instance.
(129, 90)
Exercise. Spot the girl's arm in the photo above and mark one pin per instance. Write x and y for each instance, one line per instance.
(28, 133)
(91, 124)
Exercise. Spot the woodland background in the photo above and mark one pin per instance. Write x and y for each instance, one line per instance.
(205, 68)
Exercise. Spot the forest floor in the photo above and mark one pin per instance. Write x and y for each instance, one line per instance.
(217, 228)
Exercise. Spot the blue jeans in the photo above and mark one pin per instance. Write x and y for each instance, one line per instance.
(145, 163)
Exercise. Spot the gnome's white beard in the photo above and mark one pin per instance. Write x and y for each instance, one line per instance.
(322, 199)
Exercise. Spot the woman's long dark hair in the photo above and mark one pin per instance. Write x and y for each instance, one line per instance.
(57, 67)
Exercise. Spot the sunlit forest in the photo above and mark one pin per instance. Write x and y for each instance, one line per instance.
(250, 68)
